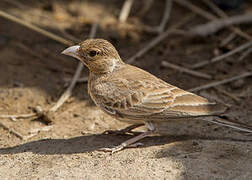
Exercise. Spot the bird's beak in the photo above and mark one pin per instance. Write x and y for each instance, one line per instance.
(72, 51)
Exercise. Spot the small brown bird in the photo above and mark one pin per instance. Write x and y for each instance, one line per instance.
(133, 95)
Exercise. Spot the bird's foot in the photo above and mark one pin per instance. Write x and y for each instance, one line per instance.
(129, 143)
(121, 132)
(120, 147)
(125, 130)
(117, 132)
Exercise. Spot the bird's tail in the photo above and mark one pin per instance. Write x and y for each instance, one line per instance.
(224, 121)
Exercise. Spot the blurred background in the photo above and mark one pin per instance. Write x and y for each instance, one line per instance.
(202, 46)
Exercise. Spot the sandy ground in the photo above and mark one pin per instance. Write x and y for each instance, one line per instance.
(68, 147)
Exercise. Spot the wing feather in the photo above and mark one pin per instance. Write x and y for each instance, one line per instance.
(144, 95)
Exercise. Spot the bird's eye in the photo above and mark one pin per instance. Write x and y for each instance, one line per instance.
(93, 53)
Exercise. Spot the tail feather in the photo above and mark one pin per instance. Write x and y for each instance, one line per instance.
(231, 123)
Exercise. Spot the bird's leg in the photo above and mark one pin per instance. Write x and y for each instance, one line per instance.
(128, 129)
(127, 143)
(131, 142)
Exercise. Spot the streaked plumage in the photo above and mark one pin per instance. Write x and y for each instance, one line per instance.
(131, 94)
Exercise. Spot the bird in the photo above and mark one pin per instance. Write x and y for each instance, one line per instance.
(135, 96)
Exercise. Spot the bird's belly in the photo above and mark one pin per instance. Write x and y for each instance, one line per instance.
(121, 117)
(127, 120)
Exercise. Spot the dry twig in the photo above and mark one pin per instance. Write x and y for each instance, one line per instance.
(69, 36)
(224, 81)
(35, 131)
(229, 38)
(236, 99)
(223, 56)
(209, 16)
(216, 25)
(38, 113)
(185, 70)
(20, 116)
(24, 7)
(147, 5)
(17, 4)
(166, 17)
(12, 131)
(214, 98)
(245, 54)
(37, 29)
(125, 10)
(215, 8)
(38, 55)
(196, 9)
(80, 80)
(28, 50)
(160, 28)
(159, 38)
(222, 14)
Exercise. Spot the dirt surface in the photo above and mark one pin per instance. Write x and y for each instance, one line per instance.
(32, 73)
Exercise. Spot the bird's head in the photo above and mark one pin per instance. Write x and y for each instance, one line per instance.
(99, 55)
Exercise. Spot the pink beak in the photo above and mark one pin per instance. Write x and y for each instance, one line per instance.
(72, 51)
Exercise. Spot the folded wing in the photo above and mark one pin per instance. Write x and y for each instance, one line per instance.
(145, 96)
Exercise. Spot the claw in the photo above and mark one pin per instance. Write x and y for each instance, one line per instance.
(135, 145)
(129, 143)
(121, 132)
(117, 132)
(113, 149)
(125, 130)
(120, 147)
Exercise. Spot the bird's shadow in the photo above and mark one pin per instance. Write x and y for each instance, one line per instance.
(93, 142)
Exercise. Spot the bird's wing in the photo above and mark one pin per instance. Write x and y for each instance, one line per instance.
(144, 95)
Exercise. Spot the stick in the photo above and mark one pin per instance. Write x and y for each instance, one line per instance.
(30, 51)
(209, 16)
(16, 3)
(37, 130)
(69, 36)
(223, 56)
(37, 29)
(166, 17)
(236, 99)
(38, 112)
(20, 116)
(216, 25)
(222, 14)
(227, 39)
(245, 54)
(12, 131)
(188, 71)
(196, 9)
(76, 76)
(24, 7)
(80, 80)
(158, 39)
(213, 98)
(147, 5)
(125, 10)
(215, 8)
(224, 81)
